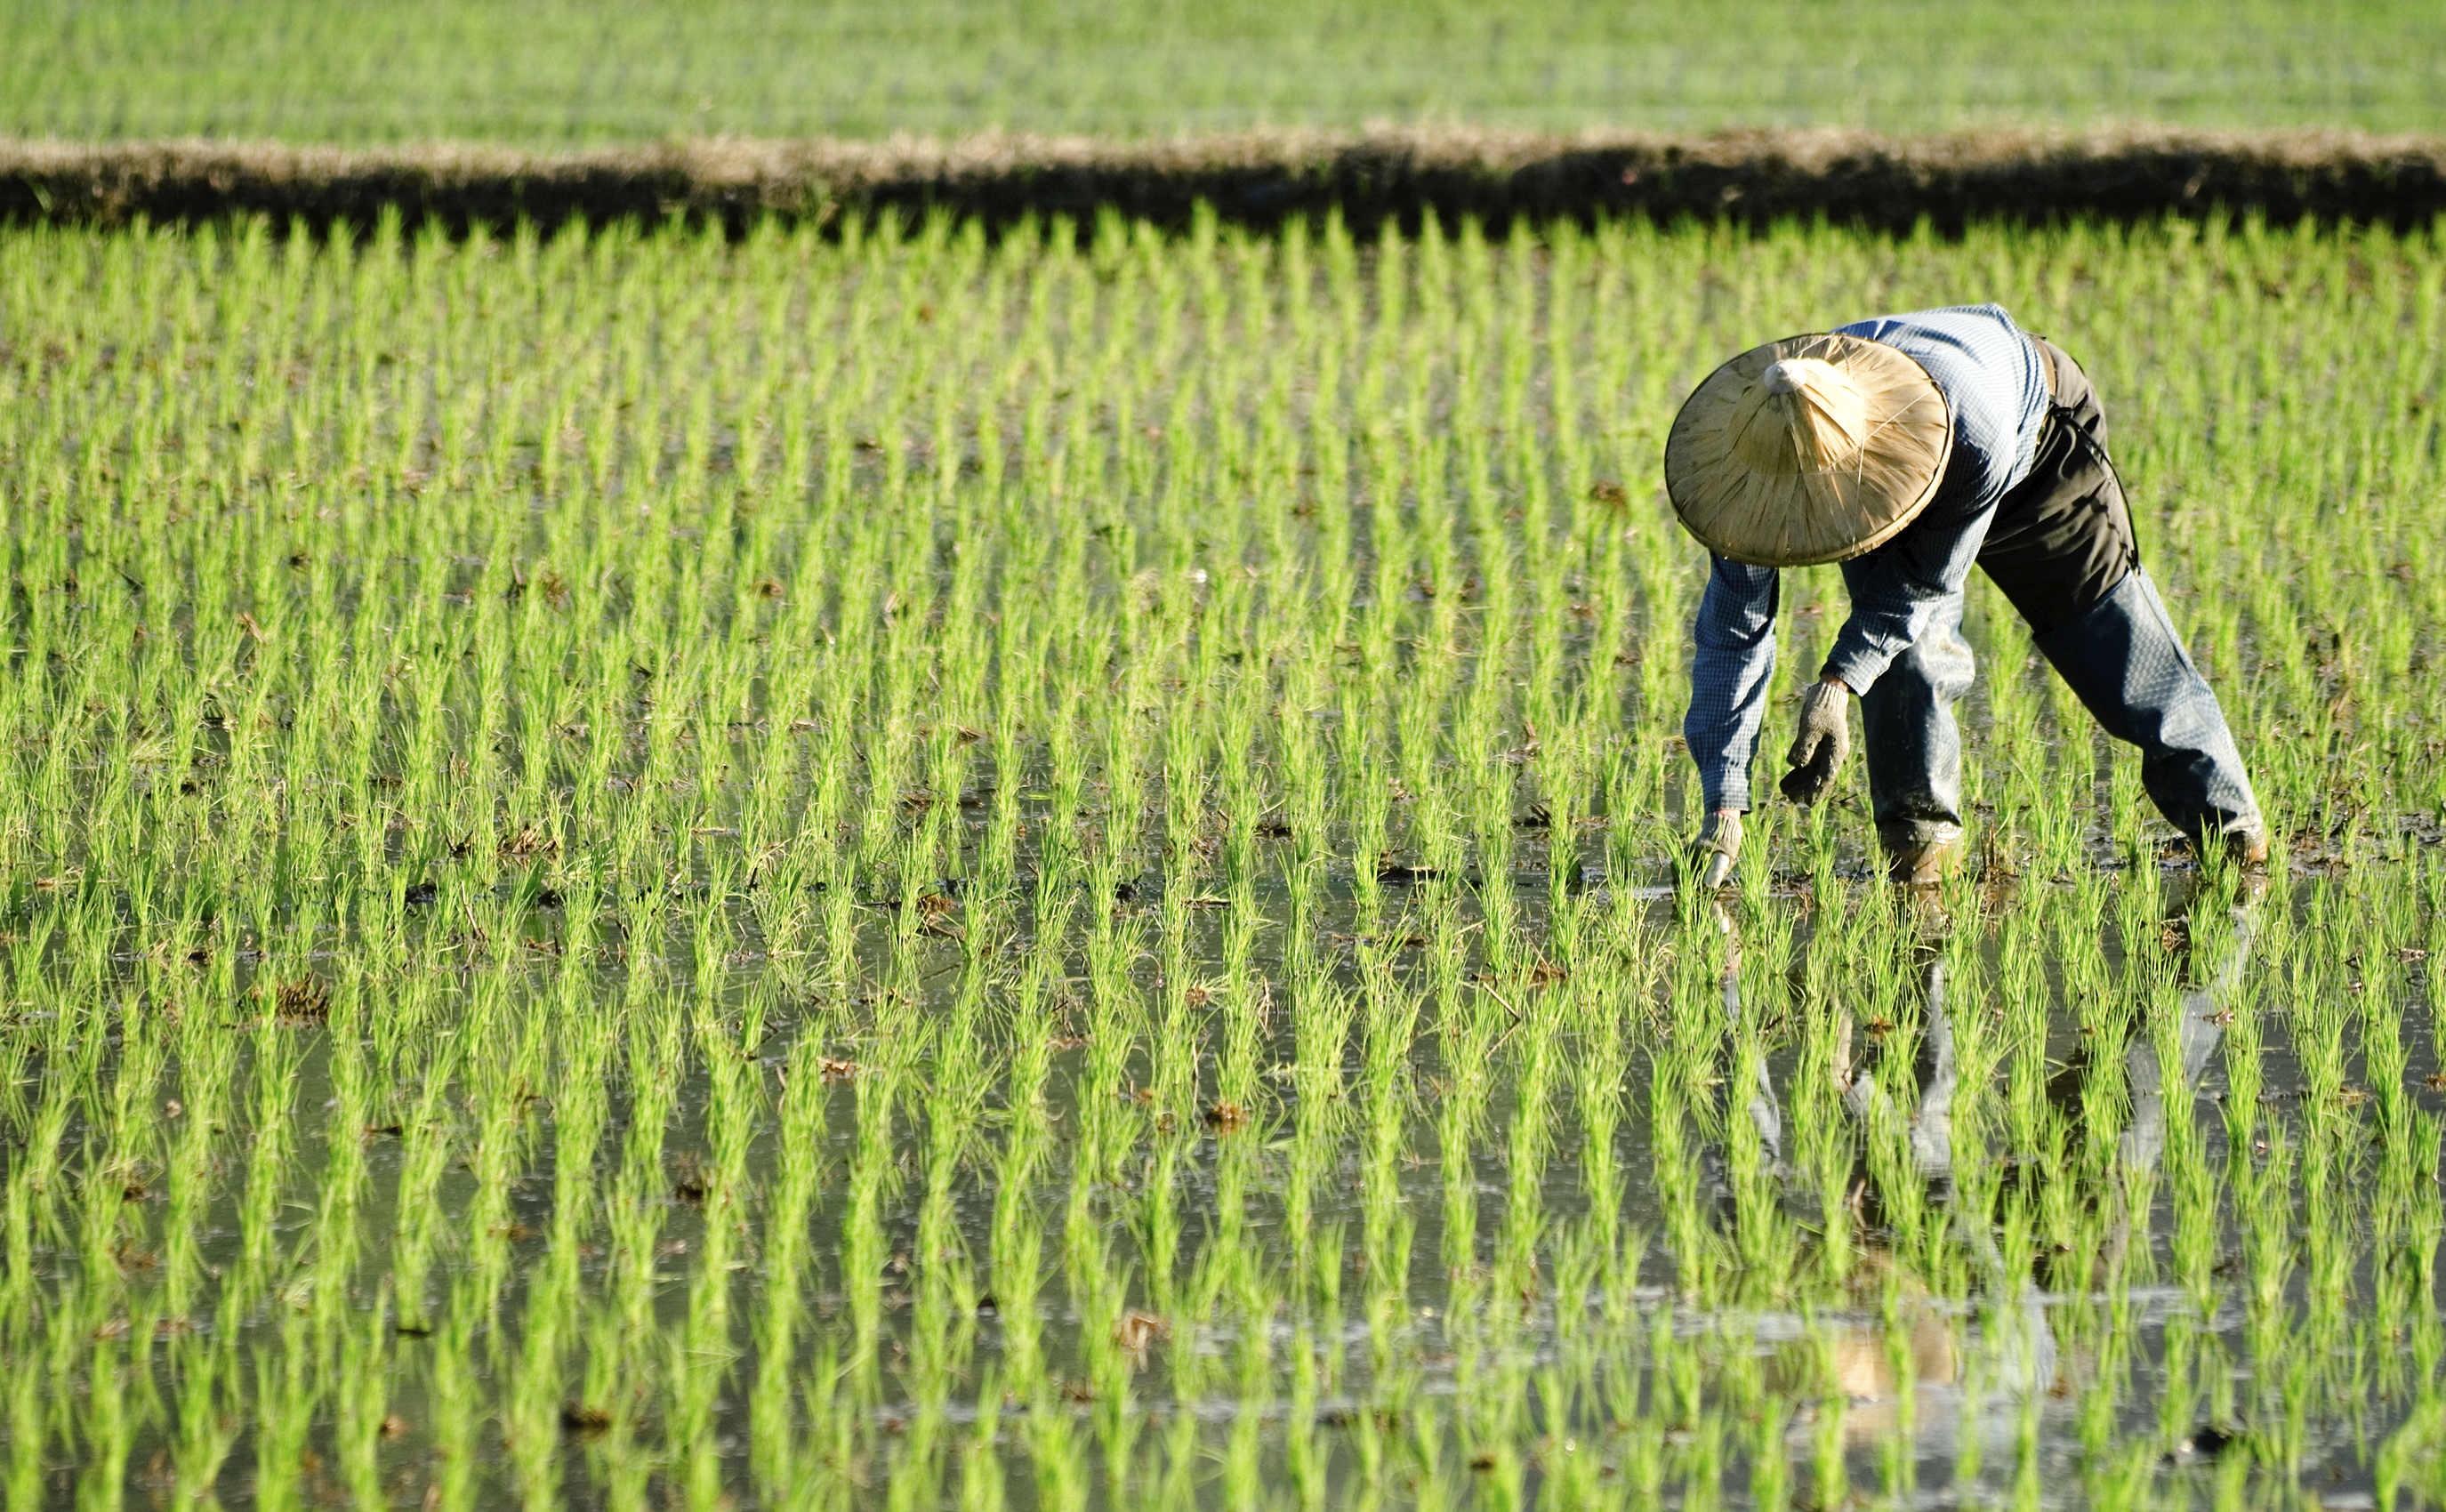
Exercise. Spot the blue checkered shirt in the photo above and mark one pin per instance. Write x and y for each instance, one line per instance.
(1991, 376)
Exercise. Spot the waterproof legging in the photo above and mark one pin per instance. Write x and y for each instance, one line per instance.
(2063, 549)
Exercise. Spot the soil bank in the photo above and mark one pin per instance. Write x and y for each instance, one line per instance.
(1259, 180)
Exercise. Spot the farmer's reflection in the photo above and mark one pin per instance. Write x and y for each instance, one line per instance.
(2210, 934)
(2207, 996)
(2014, 1350)
(1861, 1358)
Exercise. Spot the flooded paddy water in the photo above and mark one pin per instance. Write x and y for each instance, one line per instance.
(905, 872)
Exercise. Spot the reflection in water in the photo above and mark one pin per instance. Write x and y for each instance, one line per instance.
(1926, 1351)
(2197, 1032)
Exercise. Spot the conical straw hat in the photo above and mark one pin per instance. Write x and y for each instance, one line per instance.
(1807, 450)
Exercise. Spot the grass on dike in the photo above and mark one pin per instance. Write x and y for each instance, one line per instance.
(809, 871)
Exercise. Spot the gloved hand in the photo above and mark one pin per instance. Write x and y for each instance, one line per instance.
(1712, 853)
(1824, 740)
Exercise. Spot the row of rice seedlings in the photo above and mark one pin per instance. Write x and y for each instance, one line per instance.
(898, 661)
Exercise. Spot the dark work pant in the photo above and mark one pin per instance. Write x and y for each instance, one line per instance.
(2063, 549)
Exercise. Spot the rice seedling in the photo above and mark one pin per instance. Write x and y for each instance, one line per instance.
(899, 868)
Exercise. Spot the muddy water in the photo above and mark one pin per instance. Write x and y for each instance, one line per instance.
(1368, 1221)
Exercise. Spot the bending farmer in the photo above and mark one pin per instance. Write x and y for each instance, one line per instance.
(1907, 448)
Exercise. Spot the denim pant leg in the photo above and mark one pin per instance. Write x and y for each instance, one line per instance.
(1912, 745)
(2125, 662)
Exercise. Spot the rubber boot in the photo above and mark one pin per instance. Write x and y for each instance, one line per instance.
(2246, 848)
(1918, 856)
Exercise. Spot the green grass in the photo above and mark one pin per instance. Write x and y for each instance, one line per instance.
(562, 73)
(899, 871)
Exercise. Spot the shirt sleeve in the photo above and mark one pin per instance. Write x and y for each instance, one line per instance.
(1730, 672)
(1996, 394)
(1895, 589)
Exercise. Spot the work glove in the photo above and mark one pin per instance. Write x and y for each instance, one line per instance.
(1712, 853)
(1824, 740)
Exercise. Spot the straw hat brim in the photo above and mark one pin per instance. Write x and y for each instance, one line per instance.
(1799, 519)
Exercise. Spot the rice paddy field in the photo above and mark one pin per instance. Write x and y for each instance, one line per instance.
(571, 72)
(897, 869)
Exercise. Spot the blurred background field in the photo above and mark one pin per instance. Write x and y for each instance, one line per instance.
(556, 73)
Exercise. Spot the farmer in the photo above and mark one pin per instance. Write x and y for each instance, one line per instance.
(1908, 448)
